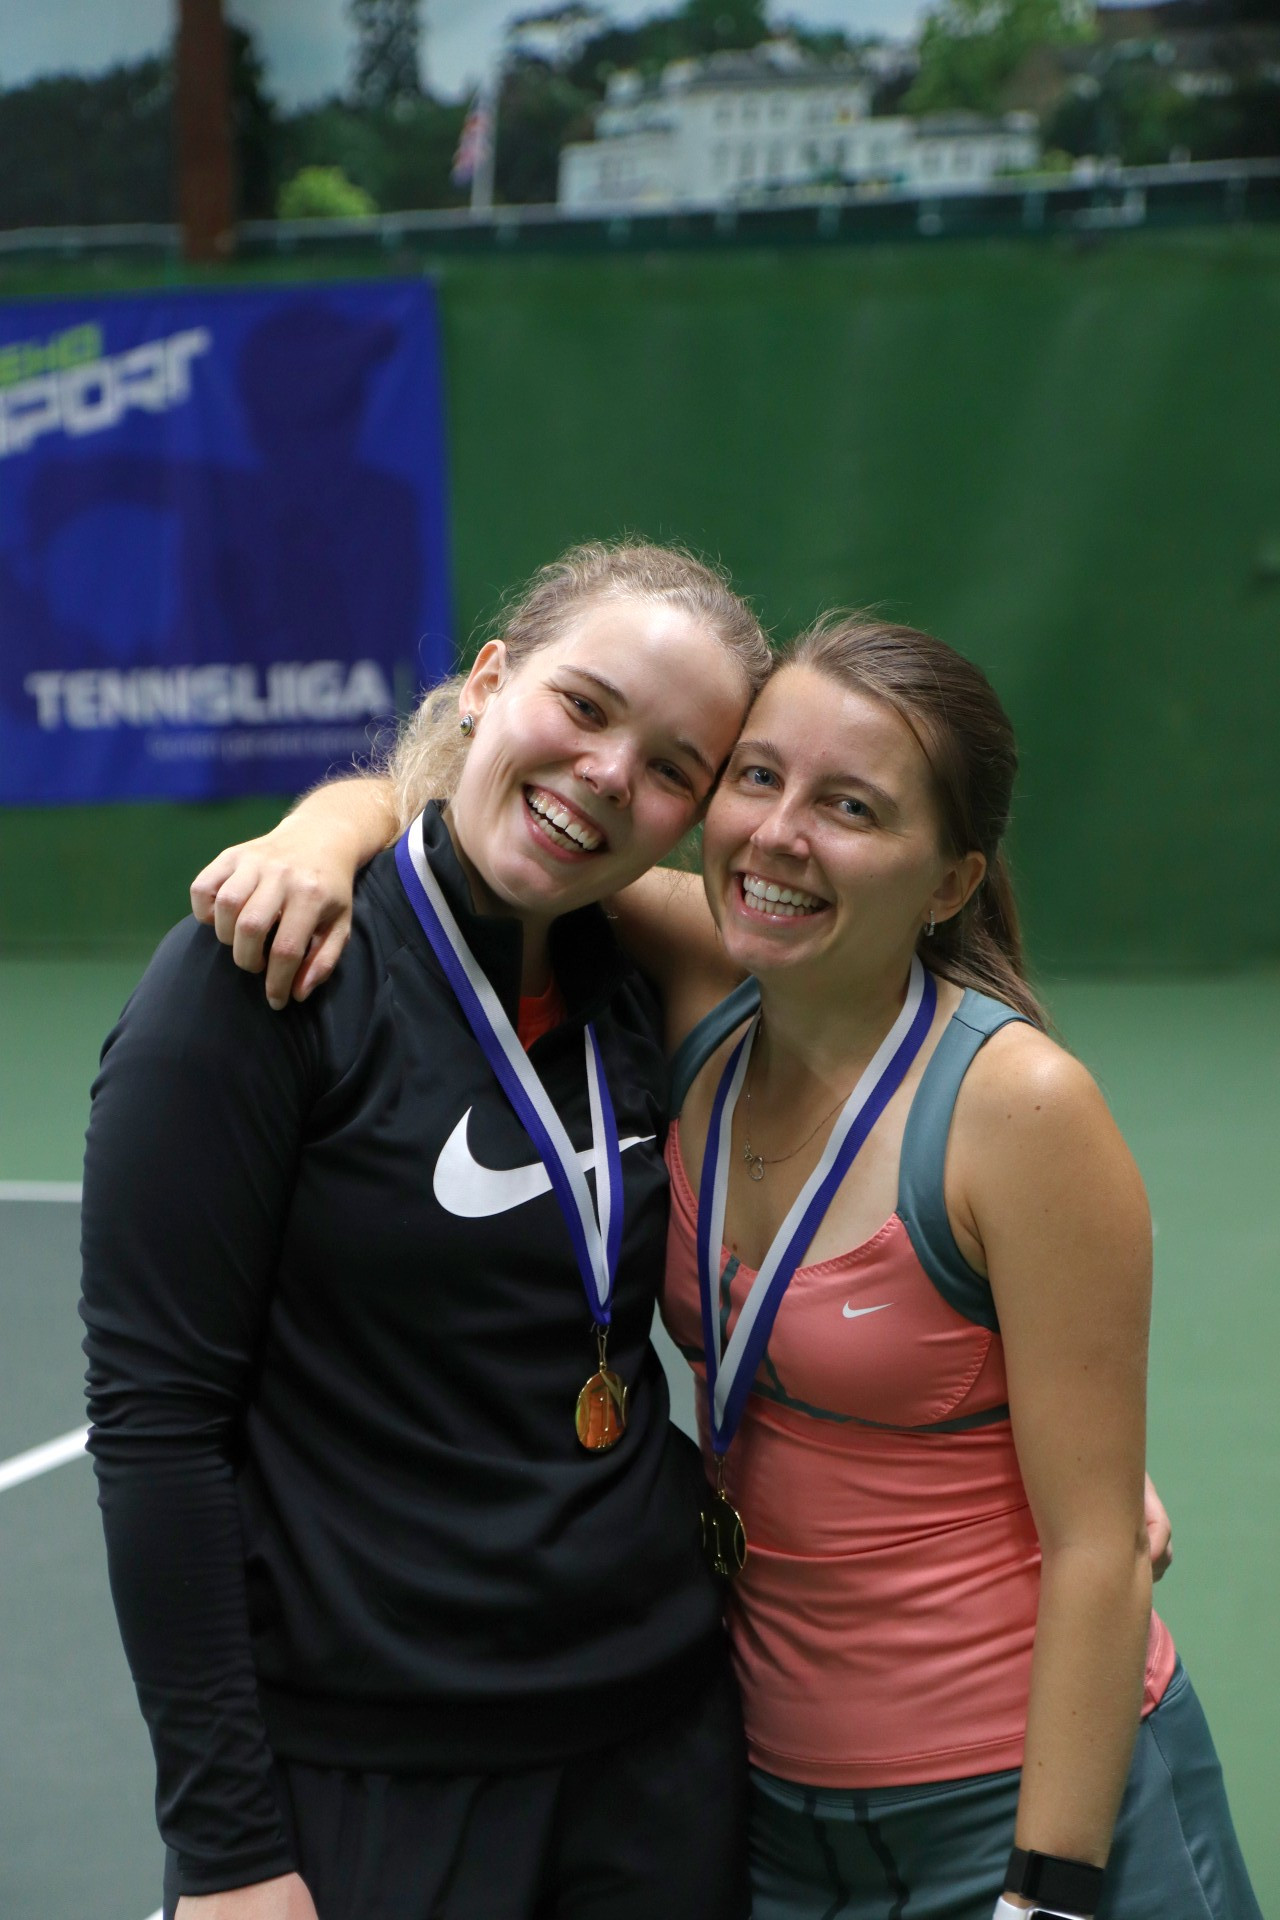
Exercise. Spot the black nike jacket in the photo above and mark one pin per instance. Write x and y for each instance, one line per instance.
(332, 1379)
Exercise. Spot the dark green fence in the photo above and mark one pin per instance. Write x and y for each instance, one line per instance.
(1062, 455)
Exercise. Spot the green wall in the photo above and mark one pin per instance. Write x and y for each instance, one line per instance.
(1064, 459)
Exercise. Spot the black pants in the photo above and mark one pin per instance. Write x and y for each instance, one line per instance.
(650, 1830)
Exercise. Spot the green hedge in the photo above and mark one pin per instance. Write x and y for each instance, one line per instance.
(1064, 459)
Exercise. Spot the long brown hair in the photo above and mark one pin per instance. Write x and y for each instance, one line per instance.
(967, 739)
(425, 761)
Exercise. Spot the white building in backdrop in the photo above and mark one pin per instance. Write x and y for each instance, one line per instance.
(748, 126)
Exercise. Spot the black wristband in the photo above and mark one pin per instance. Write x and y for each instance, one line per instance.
(1073, 1884)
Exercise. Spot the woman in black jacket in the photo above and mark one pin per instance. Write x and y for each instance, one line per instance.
(403, 1546)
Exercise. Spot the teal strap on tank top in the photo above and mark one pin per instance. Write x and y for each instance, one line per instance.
(711, 1032)
(922, 1206)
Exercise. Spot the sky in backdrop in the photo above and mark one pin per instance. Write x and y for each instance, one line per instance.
(307, 43)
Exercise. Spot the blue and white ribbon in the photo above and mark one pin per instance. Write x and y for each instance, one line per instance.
(731, 1372)
(596, 1241)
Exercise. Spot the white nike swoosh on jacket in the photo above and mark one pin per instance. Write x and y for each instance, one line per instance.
(470, 1191)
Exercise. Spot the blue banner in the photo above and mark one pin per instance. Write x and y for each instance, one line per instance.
(223, 557)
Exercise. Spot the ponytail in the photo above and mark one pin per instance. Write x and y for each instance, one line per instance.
(981, 946)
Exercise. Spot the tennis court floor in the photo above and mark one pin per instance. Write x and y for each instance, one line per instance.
(1190, 1068)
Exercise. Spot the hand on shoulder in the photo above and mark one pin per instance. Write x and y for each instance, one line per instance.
(294, 886)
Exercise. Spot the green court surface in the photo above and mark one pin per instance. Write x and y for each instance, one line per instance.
(1189, 1066)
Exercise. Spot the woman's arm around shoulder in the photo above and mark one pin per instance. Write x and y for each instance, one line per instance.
(1045, 1195)
(298, 880)
(665, 924)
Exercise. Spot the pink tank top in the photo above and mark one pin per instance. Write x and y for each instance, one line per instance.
(882, 1627)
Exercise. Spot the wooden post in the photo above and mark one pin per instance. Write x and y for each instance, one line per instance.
(202, 106)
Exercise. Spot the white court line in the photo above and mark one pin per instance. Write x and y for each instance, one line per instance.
(37, 1460)
(40, 1190)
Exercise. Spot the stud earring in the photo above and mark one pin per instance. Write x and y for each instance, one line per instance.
(467, 725)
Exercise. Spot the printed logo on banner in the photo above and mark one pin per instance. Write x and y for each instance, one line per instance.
(75, 388)
(222, 537)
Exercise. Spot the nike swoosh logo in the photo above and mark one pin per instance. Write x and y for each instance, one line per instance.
(470, 1191)
(856, 1313)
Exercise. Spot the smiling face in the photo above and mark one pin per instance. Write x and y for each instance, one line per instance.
(593, 757)
(823, 847)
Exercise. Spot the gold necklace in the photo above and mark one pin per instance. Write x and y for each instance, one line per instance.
(756, 1162)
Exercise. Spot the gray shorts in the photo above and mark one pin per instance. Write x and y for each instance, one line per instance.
(940, 1852)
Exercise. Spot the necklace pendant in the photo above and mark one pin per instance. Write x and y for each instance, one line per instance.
(600, 1417)
(755, 1162)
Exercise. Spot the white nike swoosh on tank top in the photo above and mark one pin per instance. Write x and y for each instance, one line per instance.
(856, 1313)
(470, 1191)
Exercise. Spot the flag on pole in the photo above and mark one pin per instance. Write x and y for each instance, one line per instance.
(475, 143)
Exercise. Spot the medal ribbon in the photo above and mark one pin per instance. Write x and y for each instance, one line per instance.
(731, 1373)
(596, 1241)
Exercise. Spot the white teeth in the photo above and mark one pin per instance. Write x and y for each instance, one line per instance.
(554, 815)
(787, 901)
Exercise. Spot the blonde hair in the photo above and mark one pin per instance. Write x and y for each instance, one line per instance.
(426, 758)
(967, 738)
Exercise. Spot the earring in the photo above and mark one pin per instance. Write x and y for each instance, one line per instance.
(467, 725)
(928, 932)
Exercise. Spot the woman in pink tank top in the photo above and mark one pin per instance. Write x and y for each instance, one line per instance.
(929, 1441)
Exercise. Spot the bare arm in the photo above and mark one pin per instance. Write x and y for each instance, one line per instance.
(665, 924)
(297, 879)
(1058, 1208)
(285, 1898)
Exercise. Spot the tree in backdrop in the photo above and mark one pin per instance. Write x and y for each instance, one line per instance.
(77, 151)
(697, 28)
(324, 193)
(401, 155)
(539, 109)
(95, 150)
(255, 127)
(388, 34)
(970, 49)
(720, 26)
(1128, 105)
(389, 139)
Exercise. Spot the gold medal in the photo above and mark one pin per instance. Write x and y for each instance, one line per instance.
(724, 1538)
(600, 1418)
